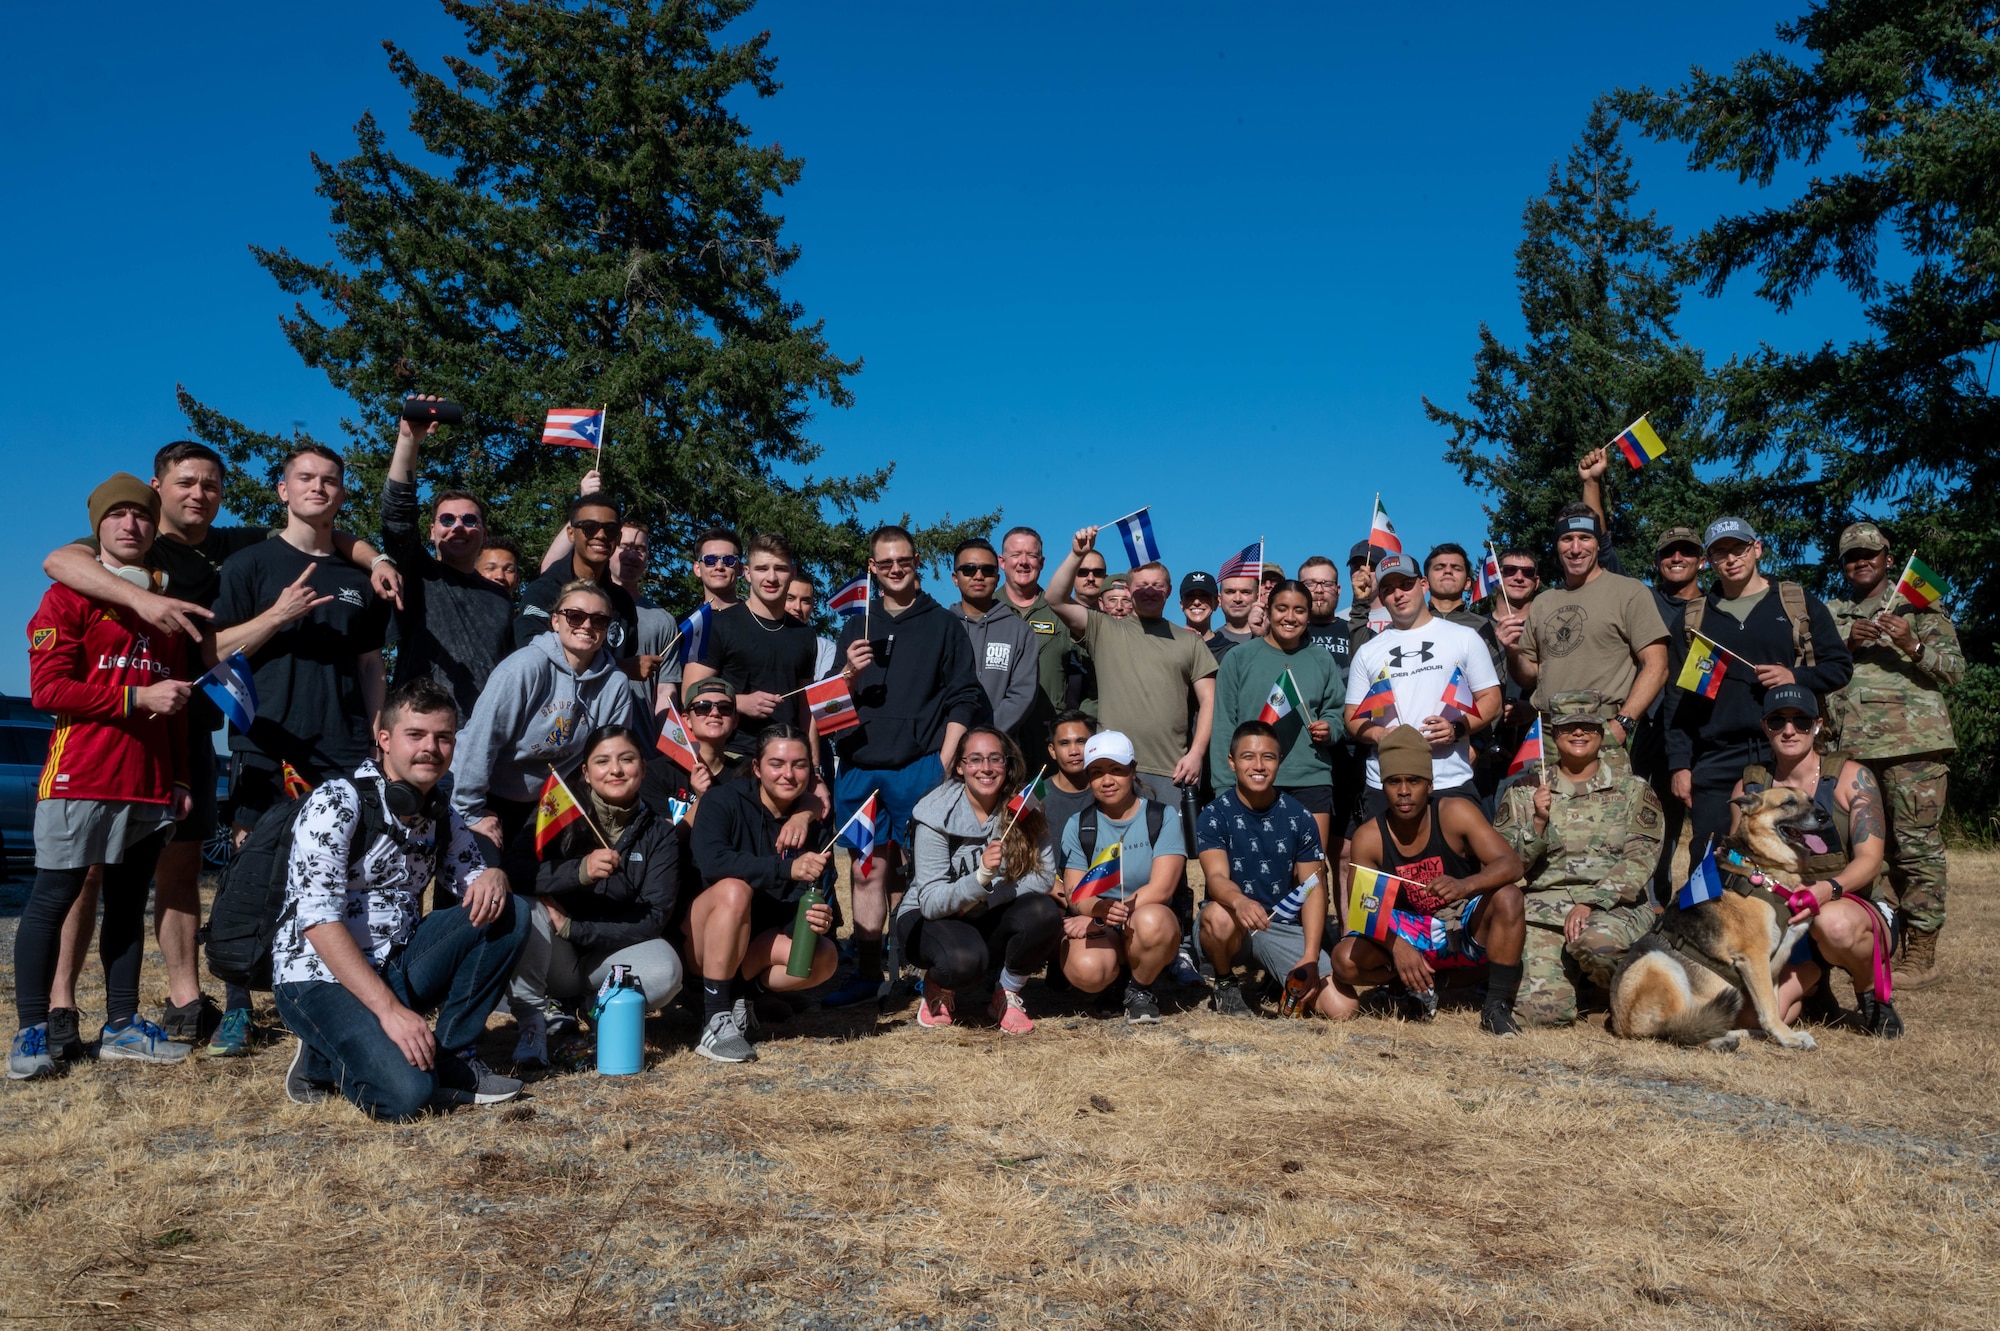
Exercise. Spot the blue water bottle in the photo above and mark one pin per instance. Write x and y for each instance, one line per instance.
(621, 1025)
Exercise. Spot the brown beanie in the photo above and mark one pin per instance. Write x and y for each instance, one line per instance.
(1404, 752)
(122, 488)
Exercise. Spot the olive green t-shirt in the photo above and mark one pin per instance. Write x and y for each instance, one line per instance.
(1590, 638)
(1144, 671)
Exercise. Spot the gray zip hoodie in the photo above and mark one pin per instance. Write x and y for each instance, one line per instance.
(534, 712)
(946, 849)
(1007, 659)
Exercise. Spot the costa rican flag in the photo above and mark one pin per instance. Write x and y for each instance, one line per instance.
(233, 690)
(851, 599)
(1245, 563)
(1486, 580)
(1137, 531)
(576, 427)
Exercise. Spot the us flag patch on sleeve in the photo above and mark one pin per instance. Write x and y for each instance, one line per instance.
(40, 640)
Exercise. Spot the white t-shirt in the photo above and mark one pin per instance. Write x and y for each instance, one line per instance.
(1420, 662)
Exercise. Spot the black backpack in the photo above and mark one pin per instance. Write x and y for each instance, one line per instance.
(1086, 826)
(250, 905)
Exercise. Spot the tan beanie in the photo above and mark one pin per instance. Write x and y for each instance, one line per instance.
(1404, 752)
(122, 488)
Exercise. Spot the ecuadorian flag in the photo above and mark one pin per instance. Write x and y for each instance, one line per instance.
(1105, 875)
(1639, 443)
(1369, 901)
(1702, 674)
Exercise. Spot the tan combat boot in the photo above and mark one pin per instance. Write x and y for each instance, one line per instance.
(1918, 968)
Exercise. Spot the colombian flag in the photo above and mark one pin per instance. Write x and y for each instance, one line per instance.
(556, 810)
(1704, 669)
(1369, 901)
(1639, 444)
(1530, 750)
(1920, 586)
(1105, 875)
(1379, 703)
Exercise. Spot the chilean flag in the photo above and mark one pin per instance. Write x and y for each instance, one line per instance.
(1458, 695)
(1530, 750)
(851, 599)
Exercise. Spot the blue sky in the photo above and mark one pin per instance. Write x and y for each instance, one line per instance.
(1095, 256)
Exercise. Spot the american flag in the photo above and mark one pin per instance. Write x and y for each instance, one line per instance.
(1245, 563)
(576, 427)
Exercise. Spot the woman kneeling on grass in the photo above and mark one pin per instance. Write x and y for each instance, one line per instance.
(740, 927)
(975, 894)
(596, 908)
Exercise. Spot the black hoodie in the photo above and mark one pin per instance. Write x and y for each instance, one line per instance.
(1695, 725)
(923, 678)
(735, 836)
(632, 906)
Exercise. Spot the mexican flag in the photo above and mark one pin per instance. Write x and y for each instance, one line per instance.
(1284, 700)
(1919, 585)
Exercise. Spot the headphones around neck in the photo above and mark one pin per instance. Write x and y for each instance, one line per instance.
(406, 800)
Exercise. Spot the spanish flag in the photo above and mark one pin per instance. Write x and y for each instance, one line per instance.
(1639, 443)
(1920, 586)
(556, 810)
(1369, 901)
(1703, 672)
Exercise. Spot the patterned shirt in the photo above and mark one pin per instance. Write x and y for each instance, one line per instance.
(380, 899)
(1262, 847)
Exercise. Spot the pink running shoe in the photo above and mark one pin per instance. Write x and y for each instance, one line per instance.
(934, 1007)
(1008, 1009)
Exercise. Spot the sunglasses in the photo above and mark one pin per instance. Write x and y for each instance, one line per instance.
(1778, 725)
(454, 520)
(895, 563)
(721, 561)
(592, 528)
(1090, 573)
(711, 709)
(978, 570)
(583, 619)
(1516, 571)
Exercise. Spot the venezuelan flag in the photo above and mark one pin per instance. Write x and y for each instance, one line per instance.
(1702, 674)
(556, 810)
(1379, 703)
(1105, 875)
(1919, 585)
(1639, 443)
(1369, 901)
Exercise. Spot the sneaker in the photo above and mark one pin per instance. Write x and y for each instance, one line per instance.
(722, 1040)
(858, 989)
(232, 1037)
(301, 1089)
(1880, 1018)
(532, 1049)
(1393, 1000)
(744, 1013)
(1821, 1008)
(65, 1039)
(1141, 1008)
(1185, 972)
(192, 1023)
(142, 1042)
(472, 1082)
(1230, 1002)
(1494, 1018)
(30, 1056)
(560, 1022)
(934, 1007)
(1008, 1009)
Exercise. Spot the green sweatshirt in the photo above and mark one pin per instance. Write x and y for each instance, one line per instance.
(1243, 684)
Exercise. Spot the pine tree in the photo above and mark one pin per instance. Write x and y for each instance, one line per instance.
(1905, 417)
(598, 233)
(1600, 289)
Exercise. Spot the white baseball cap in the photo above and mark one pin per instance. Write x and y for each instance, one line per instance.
(1110, 744)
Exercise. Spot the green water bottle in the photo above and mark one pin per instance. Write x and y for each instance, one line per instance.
(804, 941)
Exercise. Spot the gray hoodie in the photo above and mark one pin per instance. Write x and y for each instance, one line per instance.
(1007, 658)
(534, 712)
(946, 848)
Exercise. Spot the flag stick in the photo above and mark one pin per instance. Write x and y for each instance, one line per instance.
(1115, 521)
(867, 602)
(803, 687)
(1724, 650)
(1500, 584)
(603, 429)
(1014, 815)
(582, 811)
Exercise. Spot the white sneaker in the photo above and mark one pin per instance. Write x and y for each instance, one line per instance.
(532, 1049)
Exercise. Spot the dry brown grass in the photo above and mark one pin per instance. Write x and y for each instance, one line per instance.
(1204, 1173)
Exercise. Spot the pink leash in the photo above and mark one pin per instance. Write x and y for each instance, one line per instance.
(1799, 899)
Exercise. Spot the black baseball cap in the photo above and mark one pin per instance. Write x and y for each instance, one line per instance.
(1199, 584)
(1364, 553)
(1795, 696)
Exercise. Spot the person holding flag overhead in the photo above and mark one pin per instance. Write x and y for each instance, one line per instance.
(1770, 634)
(982, 867)
(1590, 837)
(1893, 718)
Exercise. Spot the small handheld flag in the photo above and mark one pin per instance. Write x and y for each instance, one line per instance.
(851, 599)
(1486, 578)
(1294, 904)
(1702, 673)
(1704, 883)
(1370, 898)
(1105, 875)
(1136, 529)
(556, 810)
(674, 740)
(1920, 586)
(232, 689)
(574, 427)
(832, 705)
(1530, 751)
(691, 643)
(677, 809)
(1031, 795)
(1382, 532)
(1245, 563)
(1379, 703)
(1458, 696)
(296, 786)
(1284, 700)
(1639, 443)
(860, 833)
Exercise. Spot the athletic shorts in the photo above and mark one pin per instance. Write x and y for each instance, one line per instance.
(899, 787)
(75, 834)
(1316, 799)
(1807, 950)
(1445, 940)
(199, 825)
(1280, 947)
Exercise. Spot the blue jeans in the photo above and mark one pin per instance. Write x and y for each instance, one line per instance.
(457, 967)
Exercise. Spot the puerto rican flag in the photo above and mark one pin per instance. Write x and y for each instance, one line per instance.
(851, 599)
(1245, 563)
(576, 427)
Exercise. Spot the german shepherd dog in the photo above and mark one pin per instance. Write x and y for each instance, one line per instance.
(1659, 992)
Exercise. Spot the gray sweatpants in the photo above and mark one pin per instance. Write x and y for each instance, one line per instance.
(552, 966)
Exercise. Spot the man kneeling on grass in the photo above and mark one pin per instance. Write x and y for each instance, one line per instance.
(1457, 900)
(1260, 856)
(354, 967)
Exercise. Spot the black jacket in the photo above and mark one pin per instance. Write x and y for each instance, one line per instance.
(454, 627)
(632, 906)
(538, 599)
(1697, 725)
(923, 679)
(735, 836)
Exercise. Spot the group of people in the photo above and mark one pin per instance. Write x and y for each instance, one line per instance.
(1029, 767)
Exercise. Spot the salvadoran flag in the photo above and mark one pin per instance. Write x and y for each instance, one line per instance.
(851, 599)
(1137, 531)
(1703, 884)
(232, 689)
(692, 646)
(576, 427)
(1288, 910)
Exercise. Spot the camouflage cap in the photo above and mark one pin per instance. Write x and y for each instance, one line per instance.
(1581, 705)
(1861, 536)
(1674, 536)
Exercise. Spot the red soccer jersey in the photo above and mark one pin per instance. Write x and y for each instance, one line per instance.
(85, 663)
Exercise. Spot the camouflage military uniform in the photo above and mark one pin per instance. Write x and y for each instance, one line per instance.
(1892, 718)
(1599, 850)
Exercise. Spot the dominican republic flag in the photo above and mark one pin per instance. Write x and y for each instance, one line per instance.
(1639, 443)
(860, 833)
(576, 427)
(1704, 884)
(1284, 700)
(1530, 750)
(1289, 910)
(832, 706)
(1382, 532)
(692, 644)
(233, 690)
(1106, 875)
(1458, 695)
(674, 740)
(1031, 795)
(1379, 703)
(1137, 531)
(1486, 579)
(851, 599)
(1245, 563)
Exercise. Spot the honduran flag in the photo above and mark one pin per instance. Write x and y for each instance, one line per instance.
(1704, 883)
(232, 689)
(1379, 703)
(1458, 695)
(1105, 875)
(832, 705)
(851, 599)
(575, 427)
(1137, 531)
(1702, 673)
(1284, 700)
(691, 646)
(1031, 795)
(1245, 563)
(1294, 904)
(860, 833)
(1370, 898)
(1639, 443)
(1486, 578)
(555, 810)
(1530, 751)
(1382, 532)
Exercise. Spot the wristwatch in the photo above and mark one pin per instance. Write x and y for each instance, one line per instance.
(1626, 724)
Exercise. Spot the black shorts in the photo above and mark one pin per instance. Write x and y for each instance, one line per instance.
(1376, 802)
(1316, 799)
(767, 913)
(199, 825)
